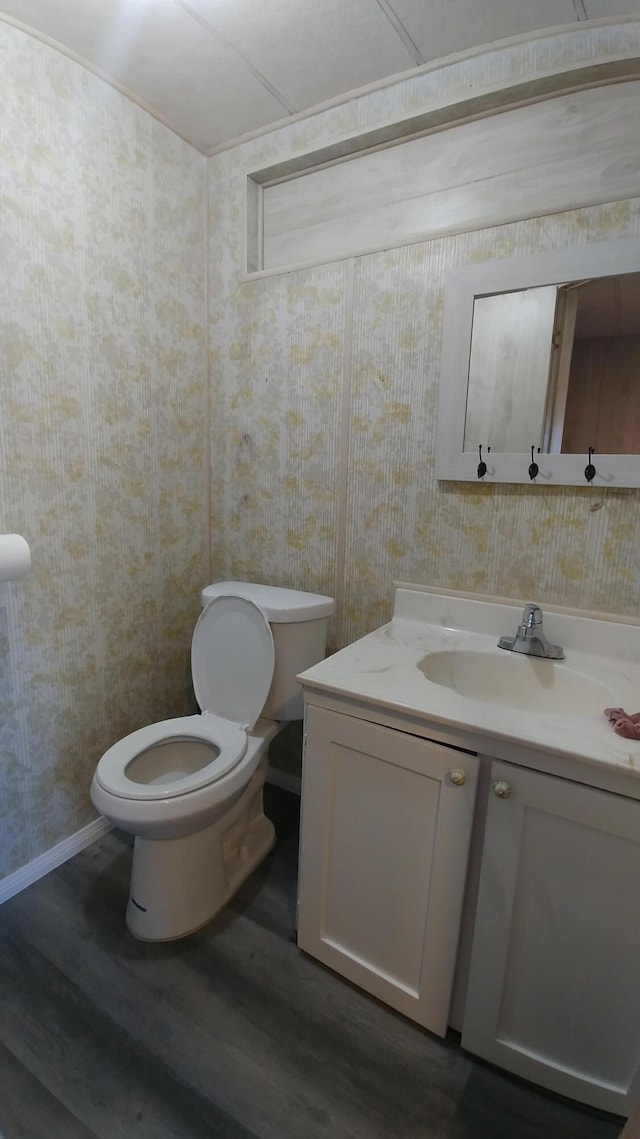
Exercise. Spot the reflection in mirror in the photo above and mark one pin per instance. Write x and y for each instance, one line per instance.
(557, 366)
(509, 368)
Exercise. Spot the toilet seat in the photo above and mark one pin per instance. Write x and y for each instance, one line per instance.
(229, 740)
(232, 663)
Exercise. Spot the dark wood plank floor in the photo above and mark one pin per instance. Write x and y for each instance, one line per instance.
(231, 1033)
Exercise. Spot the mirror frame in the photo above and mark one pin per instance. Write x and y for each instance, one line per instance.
(462, 286)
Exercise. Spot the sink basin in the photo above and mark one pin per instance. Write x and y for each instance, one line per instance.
(517, 681)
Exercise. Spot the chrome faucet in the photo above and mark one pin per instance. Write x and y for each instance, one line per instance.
(530, 638)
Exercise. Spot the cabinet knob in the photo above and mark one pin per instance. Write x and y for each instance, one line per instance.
(457, 777)
(501, 789)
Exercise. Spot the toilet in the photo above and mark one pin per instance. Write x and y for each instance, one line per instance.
(190, 789)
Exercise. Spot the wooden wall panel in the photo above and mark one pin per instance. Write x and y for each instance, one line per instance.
(602, 400)
(466, 177)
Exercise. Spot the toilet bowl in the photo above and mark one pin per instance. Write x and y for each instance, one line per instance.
(190, 789)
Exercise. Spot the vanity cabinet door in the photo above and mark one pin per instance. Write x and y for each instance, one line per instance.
(554, 985)
(386, 822)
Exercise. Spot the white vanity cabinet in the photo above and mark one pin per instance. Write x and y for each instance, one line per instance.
(531, 906)
(553, 991)
(386, 823)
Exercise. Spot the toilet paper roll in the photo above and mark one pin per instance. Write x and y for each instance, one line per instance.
(15, 557)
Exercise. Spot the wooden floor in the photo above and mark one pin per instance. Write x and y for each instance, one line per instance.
(231, 1033)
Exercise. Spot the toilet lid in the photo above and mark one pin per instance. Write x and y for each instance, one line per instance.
(232, 660)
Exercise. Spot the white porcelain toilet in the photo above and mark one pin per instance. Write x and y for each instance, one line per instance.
(190, 789)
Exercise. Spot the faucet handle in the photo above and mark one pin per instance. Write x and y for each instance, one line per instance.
(531, 616)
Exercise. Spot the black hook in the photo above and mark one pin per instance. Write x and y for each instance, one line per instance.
(482, 466)
(590, 470)
(534, 469)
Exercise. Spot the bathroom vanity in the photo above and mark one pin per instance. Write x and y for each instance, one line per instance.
(470, 844)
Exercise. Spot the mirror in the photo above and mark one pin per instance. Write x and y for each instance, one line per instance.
(543, 352)
(557, 366)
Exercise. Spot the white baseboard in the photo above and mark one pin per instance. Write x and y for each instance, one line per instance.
(284, 779)
(41, 865)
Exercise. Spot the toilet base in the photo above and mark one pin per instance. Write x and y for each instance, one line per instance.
(178, 885)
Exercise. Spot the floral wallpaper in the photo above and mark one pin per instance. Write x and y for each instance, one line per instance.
(102, 436)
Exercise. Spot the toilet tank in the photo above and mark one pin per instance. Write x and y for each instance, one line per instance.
(298, 623)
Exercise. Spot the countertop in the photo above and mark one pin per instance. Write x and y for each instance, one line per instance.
(389, 668)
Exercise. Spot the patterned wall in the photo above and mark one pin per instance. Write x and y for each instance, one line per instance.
(102, 437)
(327, 380)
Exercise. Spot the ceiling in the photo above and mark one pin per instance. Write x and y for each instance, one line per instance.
(214, 70)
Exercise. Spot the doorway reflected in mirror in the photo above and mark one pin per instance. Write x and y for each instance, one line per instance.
(557, 366)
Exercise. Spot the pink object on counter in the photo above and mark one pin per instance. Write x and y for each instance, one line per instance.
(624, 724)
